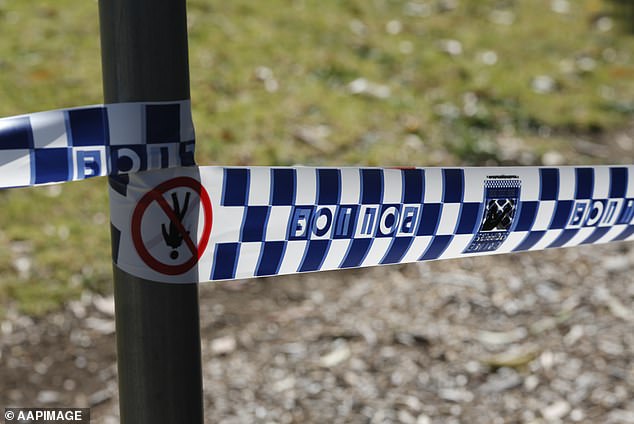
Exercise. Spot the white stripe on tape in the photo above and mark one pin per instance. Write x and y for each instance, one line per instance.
(211, 223)
(79, 143)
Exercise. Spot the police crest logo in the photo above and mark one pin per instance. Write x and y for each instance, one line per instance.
(501, 199)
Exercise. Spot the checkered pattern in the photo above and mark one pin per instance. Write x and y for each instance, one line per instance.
(556, 216)
(271, 221)
(74, 144)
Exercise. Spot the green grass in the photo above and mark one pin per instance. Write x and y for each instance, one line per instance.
(442, 109)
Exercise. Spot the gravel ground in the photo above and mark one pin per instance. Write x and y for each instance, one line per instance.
(526, 338)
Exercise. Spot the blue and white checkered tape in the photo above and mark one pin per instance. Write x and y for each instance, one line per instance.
(212, 223)
(78, 143)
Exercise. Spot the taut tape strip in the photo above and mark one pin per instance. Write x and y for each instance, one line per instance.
(75, 144)
(211, 223)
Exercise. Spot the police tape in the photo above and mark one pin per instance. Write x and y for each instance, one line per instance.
(79, 143)
(199, 224)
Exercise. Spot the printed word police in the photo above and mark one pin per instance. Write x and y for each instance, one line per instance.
(365, 221)
(135, 158)
(352, 221)
(601, 213)
(89, 162)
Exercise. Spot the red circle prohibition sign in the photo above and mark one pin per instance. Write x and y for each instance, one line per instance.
(156, 195)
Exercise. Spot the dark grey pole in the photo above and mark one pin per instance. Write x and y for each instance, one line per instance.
(144, 58)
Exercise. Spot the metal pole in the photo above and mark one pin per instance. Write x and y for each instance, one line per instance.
(144, 58)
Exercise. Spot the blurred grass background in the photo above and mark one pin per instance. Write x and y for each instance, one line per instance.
(283, 82)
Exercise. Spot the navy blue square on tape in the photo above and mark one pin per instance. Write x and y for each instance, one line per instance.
(397, 250)
(549, 183)
(254, 223)
(584, 178)
(89, 127)
(283, 185)
(596, 235)
(528, 211)
(563, 209)
(271, 258)
(356, 253)
(429, 219)
(413, 185)
(530, 240)
(618, 182)
(328, 186)
(468, 218)
(163, 123)
(563, 238)
(453, 182)
(437, 247)
(225, 261)
(51, 165)
(16, 133)
(371, 186)
(235, 191)
(314, 255)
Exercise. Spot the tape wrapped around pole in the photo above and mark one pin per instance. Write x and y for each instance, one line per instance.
(201, 224)
(79, 143)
